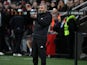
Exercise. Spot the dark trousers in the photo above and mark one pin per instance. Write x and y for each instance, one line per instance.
(84, 45)
(3, 46)
(70, 44)
(60, 45)
(17, 43)
(39, 49)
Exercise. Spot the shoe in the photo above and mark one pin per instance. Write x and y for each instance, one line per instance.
(49, 56)
(1, 53)
(83, 55)
(19, 54)
(14, 54)
(30, 54)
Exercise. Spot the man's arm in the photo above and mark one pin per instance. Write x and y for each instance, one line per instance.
(45, 21)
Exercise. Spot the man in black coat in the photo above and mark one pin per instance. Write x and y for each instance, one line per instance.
(40, 34)
(17, 28)
(3, 24)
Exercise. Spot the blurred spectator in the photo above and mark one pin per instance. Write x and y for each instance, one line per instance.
(42, 2)
(53, 5)
(76, 2)
(3, 25)
(58, 27)
(6, 27)
(48, 5)
(35, 5)
(69, 34)
(17, 28)
(70, 4)
(1, 48)
(54, 13)
(27, 37)
(61, 6)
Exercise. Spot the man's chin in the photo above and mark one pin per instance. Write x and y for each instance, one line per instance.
(41, 12)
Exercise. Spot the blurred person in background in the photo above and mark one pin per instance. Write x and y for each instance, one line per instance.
(58, 27)
(43, 20)
(17, 30)
(76, 2)
(5, 16)
(6, 26)
(42, 2)
(70, 4)
(61, 6)
(1, 31)
(48, 5)
(69, 34)
(53, 5)
(34, 5)
(27, 37)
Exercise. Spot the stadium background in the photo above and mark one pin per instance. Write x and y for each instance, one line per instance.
(10, 60)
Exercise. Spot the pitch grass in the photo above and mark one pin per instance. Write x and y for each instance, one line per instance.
(10, 60)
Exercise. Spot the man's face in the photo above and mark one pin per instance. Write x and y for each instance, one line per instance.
(52, 4)
(42, 2)
(70, 3)
(42, 9)
(61, 3)
(54, 12)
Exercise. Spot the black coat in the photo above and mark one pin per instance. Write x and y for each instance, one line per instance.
(58, 29)
(17, 23)
(41, 25)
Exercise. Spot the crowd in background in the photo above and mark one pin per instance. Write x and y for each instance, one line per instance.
(21, 11)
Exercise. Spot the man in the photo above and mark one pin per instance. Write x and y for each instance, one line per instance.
(17, 29)
(58, 27)
(70, 4)
(40, 34)
(3, 22)
(1, 49)
(61, 6)
(69, 34)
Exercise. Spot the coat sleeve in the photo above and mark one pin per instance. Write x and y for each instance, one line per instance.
(45, 21)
